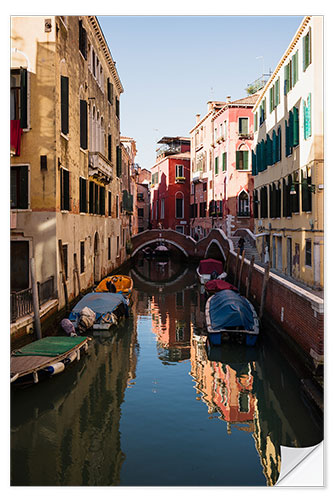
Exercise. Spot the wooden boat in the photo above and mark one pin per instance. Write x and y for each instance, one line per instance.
(230, 316)
(44, 358)
(209, 268)
(121, 284)
(106, 308)
(214, 286)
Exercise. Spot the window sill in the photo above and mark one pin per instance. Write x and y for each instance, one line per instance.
(64, 136)
(16, 210)
(84, 151)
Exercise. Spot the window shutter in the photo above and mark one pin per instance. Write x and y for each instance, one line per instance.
(23, 187)
(91, 197)
(24, 97)
(245, 160)
(83, 124)
(254, 163)
(237, 159)
(109, 147)
(291, 130)
(309, 125)
(271, 101)
(295, 127)
(64, 104)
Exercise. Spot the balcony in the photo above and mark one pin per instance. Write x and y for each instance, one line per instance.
(100, 167)
(168, 149)
(197, 176)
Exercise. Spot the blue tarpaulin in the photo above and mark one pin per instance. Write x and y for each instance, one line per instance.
(228, 309)
(100, 303)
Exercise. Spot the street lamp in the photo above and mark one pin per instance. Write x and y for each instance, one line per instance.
(311, 187)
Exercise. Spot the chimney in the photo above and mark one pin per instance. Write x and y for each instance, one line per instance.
(197, 117)
(228, 98)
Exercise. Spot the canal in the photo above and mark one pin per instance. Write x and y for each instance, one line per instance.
(150, 405)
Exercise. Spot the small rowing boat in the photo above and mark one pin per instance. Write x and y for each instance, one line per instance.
(44, 358)
(209, 269)
(117, 283)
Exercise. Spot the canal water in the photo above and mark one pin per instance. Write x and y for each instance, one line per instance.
(150, 405)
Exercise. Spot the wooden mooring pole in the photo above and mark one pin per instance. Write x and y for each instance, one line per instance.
(249, 278)
(263, 291)
(241, 269)
(35, 298)
(227, 260)
(236, 270)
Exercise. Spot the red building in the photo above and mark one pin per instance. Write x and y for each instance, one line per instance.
(170, 185)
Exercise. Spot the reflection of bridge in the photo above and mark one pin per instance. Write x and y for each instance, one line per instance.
(215, 244)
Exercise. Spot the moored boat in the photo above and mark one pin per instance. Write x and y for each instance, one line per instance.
(117, 283)
(230, 316)
(99, 311)
(209, 269)
(214, 286)
(44, 358)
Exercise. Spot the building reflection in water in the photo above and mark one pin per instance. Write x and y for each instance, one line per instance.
(71, 423)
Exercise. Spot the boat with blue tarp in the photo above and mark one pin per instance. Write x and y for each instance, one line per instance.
(99, 311)
(230, 316)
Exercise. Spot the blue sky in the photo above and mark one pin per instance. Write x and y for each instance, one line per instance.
(170, 66)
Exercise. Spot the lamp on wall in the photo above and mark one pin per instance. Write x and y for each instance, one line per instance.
(311, 187)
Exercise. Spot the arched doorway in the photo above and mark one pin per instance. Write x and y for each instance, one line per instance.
(96, 259)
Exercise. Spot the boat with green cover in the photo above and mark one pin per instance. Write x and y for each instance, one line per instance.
(44, 358)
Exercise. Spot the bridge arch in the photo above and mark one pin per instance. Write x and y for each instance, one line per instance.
(214, 243)
(159, 240)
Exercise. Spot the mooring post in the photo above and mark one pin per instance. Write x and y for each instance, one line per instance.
(62, 263)
(227, 261)
(35, 298)
(236, 270)
(263, 291)
(241, 269)
(249, 278)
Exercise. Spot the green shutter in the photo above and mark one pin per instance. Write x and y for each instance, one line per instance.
(245, 160)
(256, 122)
(83, 124)
(309, 116)
(295, 127)
(271, 99)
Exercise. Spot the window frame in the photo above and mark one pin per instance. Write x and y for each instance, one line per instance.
(18, 167)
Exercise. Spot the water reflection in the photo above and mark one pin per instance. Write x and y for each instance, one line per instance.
(66, 431)
(105, 421)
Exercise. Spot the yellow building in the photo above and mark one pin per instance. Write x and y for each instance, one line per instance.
(288, 160)
(66, 182)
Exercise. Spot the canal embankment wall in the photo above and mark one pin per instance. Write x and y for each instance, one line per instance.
(297, 314)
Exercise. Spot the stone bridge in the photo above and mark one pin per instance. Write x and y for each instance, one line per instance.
(214, 245)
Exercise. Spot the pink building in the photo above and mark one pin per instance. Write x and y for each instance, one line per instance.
(221, 174)
(232, 128)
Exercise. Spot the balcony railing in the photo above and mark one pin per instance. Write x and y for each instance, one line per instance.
(168, 149)
(100, 167)
(21, 302)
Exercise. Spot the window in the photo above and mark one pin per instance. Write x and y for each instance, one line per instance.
(101, 200)
(141, 212)
(308, 253)
(82, 267)
(117, 209)
(109, 203)
(19, 96)
(263, 202)
(140, 197)
(162, 208)
(242, 160)
(154, 178)
(118, 161)
(255, 204)
(306, 192)
(203, 208)
(243, 204)
(291, 73)
(109, 248)
(256, 122)
(117, 246)
(64, 189)
(179, 206)
(180, 229)
(83, 124)
(224, 162)
(262, 112)
(216, 165)
(274, 95)
(286, 185)
(117, 107)
(243, 126)
(110, 91)
(82, 40)
(19, 187)
(83, 195)
(64, 104)
(307, 50)
(307, 117)
(179, 172)
(109, 147)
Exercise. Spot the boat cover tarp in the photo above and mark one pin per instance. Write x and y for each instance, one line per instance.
(228, 309)
(100, 303)
(161, 248)
(218, 285)
(209, 265)
(49, 346)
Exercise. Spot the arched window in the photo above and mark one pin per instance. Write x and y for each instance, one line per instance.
(243, 204)
(242, 158)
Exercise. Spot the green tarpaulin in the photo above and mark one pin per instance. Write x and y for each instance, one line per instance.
(49, 346)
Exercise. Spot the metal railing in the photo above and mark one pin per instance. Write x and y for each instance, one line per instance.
(21, 302)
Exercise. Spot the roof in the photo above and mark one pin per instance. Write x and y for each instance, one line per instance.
(247, 101)
(167, 140)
